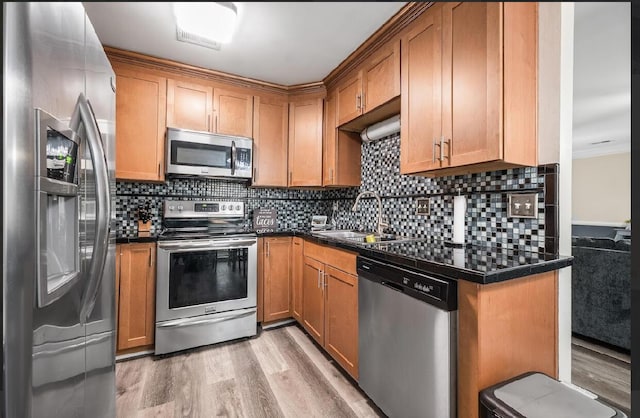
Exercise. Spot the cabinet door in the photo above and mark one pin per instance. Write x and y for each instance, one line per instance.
(305, 143)
(342, 151)
(277, 278)
(141, 101)
(117, 292)
(349, 99)
(381, 77)
(136, 314)
(297, 269)
(270, 142)
(189, 105)
(341, 318)
(329, 142)
(233, 113)
(313, 299)
(472, 82)
(421, 109)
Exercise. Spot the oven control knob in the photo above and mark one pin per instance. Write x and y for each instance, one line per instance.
(172, 208)
(237, 207)
(224, 207)
(180, 207)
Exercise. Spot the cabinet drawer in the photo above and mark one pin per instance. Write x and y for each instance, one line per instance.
(340, 259)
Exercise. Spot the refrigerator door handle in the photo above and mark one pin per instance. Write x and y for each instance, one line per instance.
(83, 113)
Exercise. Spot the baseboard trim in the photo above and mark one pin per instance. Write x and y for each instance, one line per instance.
(130, 356)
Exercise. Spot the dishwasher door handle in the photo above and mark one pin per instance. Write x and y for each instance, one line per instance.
(393, 286)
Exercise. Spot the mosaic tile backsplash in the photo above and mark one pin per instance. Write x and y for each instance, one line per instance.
(486, 221)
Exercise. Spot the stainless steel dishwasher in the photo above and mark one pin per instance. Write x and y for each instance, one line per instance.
(407, 340)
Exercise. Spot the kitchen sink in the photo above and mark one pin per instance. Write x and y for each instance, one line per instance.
(360, 237)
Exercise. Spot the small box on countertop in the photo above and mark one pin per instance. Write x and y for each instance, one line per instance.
(265, 220)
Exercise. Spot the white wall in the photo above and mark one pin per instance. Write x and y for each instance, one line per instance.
(555, 120)
(601, 189)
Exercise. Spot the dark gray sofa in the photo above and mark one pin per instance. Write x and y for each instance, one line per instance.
(601, 290)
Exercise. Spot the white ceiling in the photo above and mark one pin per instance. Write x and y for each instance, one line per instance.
(602, 78)
(283, 43)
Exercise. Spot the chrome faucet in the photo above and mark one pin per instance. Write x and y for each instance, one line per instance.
(381, 225)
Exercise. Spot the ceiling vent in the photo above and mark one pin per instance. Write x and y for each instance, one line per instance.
(190, 38)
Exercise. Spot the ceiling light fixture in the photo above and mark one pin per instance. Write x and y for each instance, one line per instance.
(215, 21)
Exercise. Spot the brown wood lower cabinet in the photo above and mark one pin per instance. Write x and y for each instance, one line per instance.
(313, 299)
(136, 286)
(341, 318)
(297, 269)
(330, 302)
(277, 278)
(505, 329)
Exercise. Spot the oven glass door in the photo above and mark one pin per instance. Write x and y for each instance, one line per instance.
(201, 277)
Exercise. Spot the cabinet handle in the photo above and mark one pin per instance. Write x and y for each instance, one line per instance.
(150, 258)
(318, 279)
(436, 144)
(216, 123)
(255, 173)
(448, 142)
(289, 178)
(358, 101)
(331, 174)
(159, 169)
(209, 123)
(364, 102)
(267, 248)
(324, 281)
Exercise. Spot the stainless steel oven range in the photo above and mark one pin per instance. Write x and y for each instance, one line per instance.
(206, 275)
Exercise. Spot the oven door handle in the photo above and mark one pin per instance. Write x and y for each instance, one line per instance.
(208, 246)
(190, 321)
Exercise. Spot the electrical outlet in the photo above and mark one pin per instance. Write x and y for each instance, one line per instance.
(522, 205)
(422, 206)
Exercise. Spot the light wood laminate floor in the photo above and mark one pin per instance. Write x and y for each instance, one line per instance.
(281, 373)
(603, 372)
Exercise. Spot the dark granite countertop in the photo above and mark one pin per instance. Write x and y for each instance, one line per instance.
(134, 238)
(482, 264)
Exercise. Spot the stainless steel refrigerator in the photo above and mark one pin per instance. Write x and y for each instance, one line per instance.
(58, 235)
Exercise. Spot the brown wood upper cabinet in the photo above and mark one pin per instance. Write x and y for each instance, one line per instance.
(189, 105)
(305, 143)
(469, 92)
(200, 107)
(277, 278)
(136, 281)
(341, 151)
(377, 82)
(270, 141)
(140, 112)
(233, 113)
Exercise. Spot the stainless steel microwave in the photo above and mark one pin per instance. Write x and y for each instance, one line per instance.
(207, 154)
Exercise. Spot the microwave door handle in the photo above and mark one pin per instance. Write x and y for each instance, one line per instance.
(234, 155)
(83, 114)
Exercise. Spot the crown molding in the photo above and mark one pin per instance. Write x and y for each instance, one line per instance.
(386, 32)
(179, 68)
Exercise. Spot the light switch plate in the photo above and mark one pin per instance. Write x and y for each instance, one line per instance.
(522, 205)
(422, 206)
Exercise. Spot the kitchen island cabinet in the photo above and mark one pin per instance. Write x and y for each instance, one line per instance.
(505, 329)
(135, 295)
